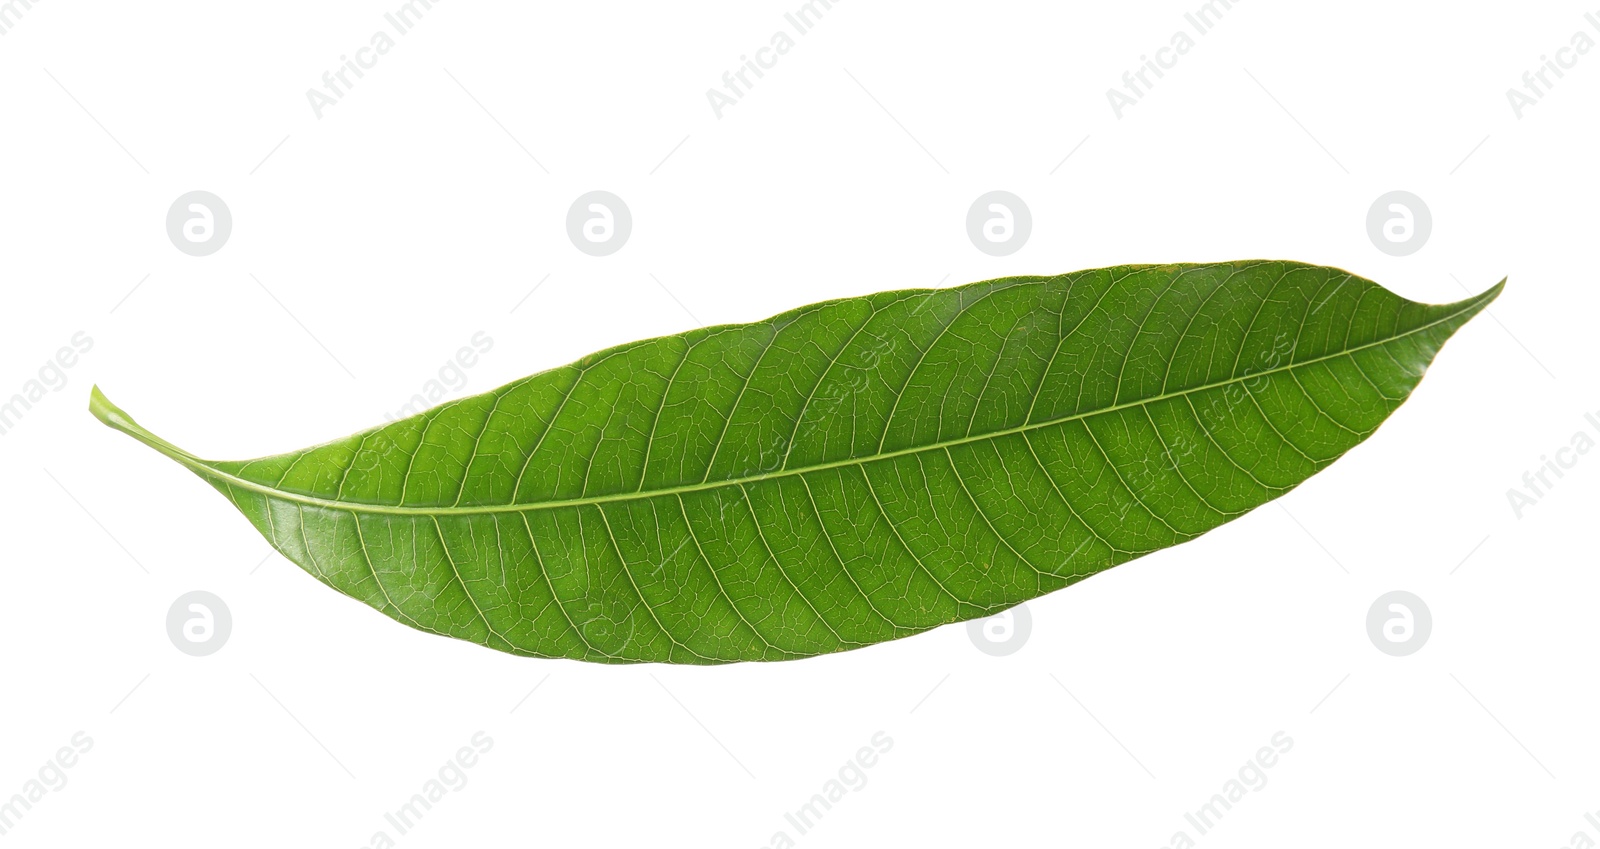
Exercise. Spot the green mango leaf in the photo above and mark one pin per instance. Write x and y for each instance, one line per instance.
(849, 472)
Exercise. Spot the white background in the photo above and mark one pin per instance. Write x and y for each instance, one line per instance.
(427, 204)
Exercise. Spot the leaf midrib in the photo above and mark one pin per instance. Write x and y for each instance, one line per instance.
(202, 468)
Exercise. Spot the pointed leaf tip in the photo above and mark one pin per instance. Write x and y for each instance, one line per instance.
(1478, 302)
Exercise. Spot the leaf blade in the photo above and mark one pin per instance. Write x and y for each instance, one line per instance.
(848, 472)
